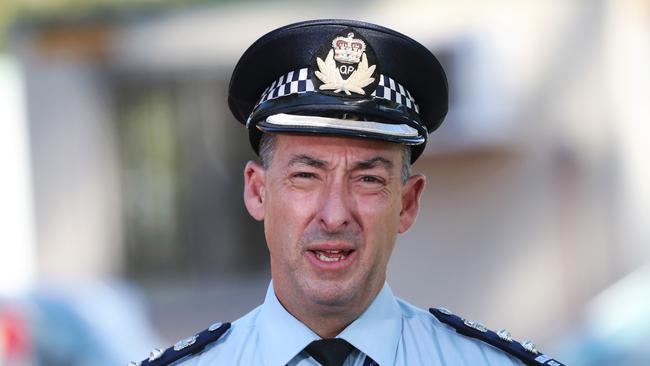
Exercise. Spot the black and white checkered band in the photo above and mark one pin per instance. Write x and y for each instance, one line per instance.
(298, 81)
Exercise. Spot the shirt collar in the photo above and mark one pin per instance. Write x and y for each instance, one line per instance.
(282, 336)
(383, 318)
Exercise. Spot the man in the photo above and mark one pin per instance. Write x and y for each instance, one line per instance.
(337, 111)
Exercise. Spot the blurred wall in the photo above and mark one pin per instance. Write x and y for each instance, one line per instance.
(74, 157)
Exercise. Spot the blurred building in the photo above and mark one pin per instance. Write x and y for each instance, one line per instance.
(538, 190)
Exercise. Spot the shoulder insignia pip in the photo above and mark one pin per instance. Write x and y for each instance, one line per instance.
(186, 347)
(524, 351)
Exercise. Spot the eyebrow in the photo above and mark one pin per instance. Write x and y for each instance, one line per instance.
(360, 165)
(372, 163)
(307, 160)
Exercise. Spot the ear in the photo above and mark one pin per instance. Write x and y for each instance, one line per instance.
(411, 193)
(254, 180)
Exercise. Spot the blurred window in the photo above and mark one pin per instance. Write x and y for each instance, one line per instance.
(182, 157)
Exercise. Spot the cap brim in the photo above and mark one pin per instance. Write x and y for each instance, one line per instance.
(283, 122)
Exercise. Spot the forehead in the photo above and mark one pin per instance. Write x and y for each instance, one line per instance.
(334, 147)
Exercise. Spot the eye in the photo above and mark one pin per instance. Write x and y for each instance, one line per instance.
(371, 179)
(303, 175)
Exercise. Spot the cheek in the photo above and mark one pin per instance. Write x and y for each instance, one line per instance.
(286, 215)
(379, 212)
(380, 221)
(289, 207)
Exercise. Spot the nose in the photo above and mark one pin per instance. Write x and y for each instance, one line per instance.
(335, 213)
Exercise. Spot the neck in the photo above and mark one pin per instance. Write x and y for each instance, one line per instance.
(327, 321)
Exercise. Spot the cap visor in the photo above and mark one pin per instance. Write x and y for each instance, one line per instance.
(299, 123)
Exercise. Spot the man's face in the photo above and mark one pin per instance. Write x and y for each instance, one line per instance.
(332, 208)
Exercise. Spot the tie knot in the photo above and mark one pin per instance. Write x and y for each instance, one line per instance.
(329, 352)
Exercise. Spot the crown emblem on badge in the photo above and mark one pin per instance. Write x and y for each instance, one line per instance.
(348, 49)
(345, 68)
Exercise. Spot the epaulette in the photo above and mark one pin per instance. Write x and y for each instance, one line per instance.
(185, 347)
(524, 351)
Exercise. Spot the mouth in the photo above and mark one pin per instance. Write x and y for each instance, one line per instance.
(331, 255)
(329, 258)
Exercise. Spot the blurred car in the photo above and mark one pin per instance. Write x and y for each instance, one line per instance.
(89, 324)
(616, 326)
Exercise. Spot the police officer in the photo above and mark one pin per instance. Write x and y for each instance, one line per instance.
(337, 111)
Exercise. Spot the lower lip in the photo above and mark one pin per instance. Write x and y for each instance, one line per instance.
(339, 265)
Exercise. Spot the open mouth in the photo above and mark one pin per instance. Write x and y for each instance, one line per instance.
(331, 255)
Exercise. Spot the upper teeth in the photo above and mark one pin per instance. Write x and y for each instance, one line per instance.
(321, 255)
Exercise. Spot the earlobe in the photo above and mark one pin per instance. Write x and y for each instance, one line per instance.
(254, 179)
(411, 194)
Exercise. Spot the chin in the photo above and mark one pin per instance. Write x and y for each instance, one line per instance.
(333, 293)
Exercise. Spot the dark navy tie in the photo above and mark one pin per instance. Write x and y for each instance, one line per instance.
(329, 352)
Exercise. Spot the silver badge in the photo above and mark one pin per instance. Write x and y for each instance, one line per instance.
(530, 347)
(184, 343)
(155, 354)
(505, 335)
(444, 311)
(476, 325)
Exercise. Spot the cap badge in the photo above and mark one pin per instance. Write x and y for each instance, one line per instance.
(345, 68)
(348, 49)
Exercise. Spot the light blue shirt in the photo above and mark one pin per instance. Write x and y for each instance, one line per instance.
(389, 332)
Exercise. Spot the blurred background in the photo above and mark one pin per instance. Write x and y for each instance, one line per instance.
(123, 227)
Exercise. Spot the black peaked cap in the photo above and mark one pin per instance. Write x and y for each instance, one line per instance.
(296, 46)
